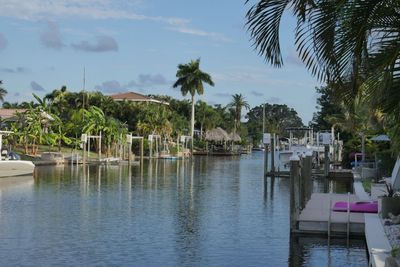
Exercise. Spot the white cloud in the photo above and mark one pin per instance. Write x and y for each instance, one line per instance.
(43, 9)
(18, 70)
(102, 44)
(51, 37)
(192, 31)
(143, 81)
(94, 9)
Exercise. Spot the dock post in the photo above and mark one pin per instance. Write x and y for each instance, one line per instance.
(265, 159)
(273, 154)
(83, 153)
(294, 190)
(151, 147)
(99, 147)
(306, 180)
(130, 153)
(141, 150)
(326, 158)
(309, 179)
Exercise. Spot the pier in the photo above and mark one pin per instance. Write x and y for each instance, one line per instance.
(318, 217)
(312, 213)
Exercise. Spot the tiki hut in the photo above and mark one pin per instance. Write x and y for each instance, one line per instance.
(234, 137)
(217, 135)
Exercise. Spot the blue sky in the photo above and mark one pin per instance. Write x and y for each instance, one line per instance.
(136, 45)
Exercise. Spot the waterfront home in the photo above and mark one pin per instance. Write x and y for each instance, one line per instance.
(136, 97)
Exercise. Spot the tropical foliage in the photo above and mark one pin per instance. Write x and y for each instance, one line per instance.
(238, 102)
(351, 45)
(3, 92)
(277, 119)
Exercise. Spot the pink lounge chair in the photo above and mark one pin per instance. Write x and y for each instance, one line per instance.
(360, 206)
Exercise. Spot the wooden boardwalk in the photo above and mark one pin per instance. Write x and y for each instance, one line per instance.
(317, 217)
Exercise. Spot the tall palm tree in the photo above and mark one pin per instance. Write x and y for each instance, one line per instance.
(3, 92)
(190, 80)
(238, 102)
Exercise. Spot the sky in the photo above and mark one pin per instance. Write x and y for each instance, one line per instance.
(136, 45)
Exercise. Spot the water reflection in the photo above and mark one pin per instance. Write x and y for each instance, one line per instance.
(312, 251)
(200, 212)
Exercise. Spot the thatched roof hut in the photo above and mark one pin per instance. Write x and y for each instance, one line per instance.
(217, 134)
(235, 137)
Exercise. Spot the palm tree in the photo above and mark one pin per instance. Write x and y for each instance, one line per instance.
(238, 102)
(190, 80)
(201, 114)
(3, 92)
(338, 41)
(345, 42)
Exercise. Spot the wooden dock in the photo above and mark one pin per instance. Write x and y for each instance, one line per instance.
(317, 217)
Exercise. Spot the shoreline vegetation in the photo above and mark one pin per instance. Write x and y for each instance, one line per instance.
(57, 121)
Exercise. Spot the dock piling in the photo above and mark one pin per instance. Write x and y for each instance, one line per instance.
(294, 191)
(265, 159)
(326, 159)
(273, 154)
(306, 180)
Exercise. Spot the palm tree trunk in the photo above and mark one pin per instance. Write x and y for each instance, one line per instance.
(201, 131)
(192, 127)
(59, 145)
(238, 117)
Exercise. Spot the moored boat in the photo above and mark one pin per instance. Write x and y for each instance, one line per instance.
(10, 168)
(10, 163)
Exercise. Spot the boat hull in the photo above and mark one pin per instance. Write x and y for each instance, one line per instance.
(10, 168)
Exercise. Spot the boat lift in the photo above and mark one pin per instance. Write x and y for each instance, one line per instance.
(185, 141)
(129, 140)
(85, 140)
(157, 140)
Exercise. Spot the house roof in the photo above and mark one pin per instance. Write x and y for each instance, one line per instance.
(135, 97)
(7, 113)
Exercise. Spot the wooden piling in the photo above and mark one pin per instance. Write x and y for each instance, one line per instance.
(306, 180)
(265, 159)
(99, 147)
(327, 161)
(273, 154)
(294, 191)
(309, 181)
(151, 148)
(141, 150)
(130, 153)
(83, 153)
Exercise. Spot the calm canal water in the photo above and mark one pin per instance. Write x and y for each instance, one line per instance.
(209, 212)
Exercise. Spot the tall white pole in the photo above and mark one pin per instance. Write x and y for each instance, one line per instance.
(84, 85)
(192, 128)
(263, 116)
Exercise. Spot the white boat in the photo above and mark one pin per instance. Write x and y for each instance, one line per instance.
(11, 165)
(10, 168)
(299, 150)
